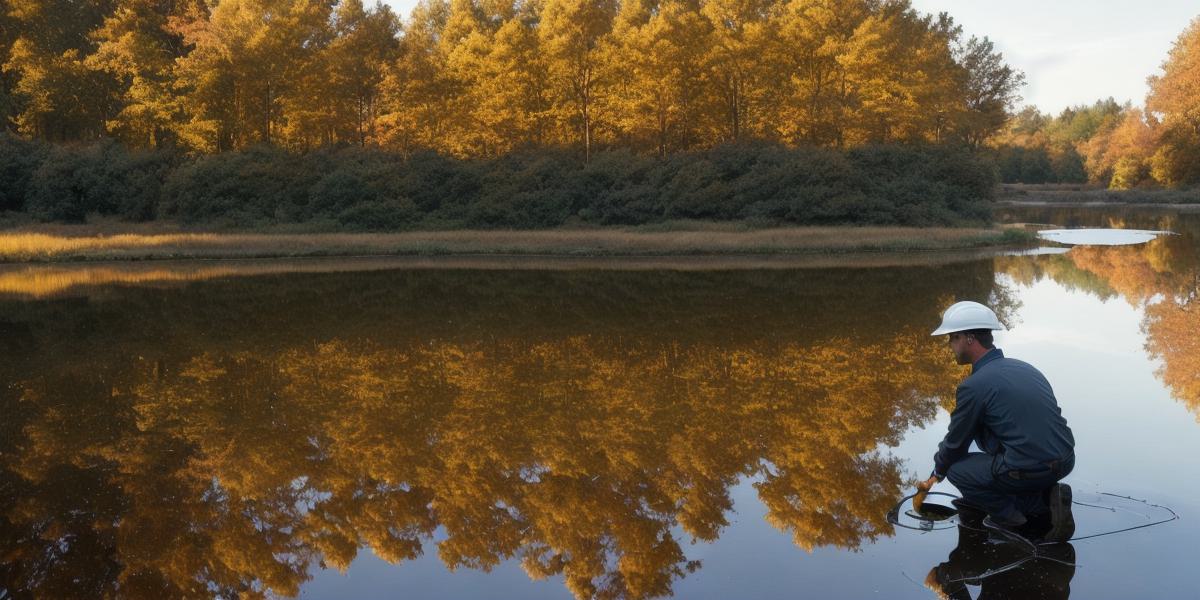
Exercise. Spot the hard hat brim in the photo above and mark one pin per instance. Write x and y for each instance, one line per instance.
(943, 330)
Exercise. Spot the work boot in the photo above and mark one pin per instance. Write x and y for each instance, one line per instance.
(969, 514)
(1062, 524)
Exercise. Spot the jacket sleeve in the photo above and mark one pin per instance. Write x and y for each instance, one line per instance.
(964, 423)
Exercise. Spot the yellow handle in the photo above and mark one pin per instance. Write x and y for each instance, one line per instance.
(919, 499)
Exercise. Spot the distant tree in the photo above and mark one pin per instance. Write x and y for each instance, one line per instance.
(1174, 99)
(1120, 157)
(1080, 123)
(1068, 165)
(991, 91)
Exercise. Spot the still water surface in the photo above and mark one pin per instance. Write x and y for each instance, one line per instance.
(485, 433)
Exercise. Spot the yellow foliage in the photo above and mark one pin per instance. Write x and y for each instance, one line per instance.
(578, 454)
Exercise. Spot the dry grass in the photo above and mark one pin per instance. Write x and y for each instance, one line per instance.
(62, 243)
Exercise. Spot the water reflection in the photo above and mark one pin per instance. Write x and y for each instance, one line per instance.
(226, 438)
(231, 436)
(1161, 278)
(1004, 570)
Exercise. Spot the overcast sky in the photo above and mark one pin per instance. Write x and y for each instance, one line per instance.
(1072, 51)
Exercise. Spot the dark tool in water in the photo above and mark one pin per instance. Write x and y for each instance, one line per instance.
(930, 516)
(931, 511)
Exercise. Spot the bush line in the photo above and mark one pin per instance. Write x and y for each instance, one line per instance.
(365, 189)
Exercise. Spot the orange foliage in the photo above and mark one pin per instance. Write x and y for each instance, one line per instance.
(577, 456)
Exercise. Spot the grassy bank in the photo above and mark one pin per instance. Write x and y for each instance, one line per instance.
(1084, 194)
(46, 243)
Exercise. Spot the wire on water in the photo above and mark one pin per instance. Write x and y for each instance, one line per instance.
(893, 517)
(1174, 517)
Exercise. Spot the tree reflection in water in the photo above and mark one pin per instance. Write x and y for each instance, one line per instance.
(1161, 277)
(223, 438)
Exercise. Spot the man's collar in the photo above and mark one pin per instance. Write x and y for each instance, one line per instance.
(991, 355)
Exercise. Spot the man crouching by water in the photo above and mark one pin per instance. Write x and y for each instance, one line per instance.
(1008, 409)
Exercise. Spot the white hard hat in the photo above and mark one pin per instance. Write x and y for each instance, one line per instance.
(967, 315)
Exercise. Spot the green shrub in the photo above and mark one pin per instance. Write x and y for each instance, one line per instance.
(102, 178)
(260, 185)
(19, 159)
(372, 190)
(922, 185)
(379, 215)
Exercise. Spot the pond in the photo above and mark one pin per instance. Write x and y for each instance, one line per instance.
(471, 430)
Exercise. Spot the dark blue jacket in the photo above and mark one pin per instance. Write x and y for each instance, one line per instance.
(1006, 407)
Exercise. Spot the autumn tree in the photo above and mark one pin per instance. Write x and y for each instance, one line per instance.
(499, 76)
(513, 85)
(337, 98)
(415, 90)
(61, 98)
(1119, 157)
(902, 75)
(659, 74)
(481, 78)
(137, 47)
(572, 33)
(8, 78)
(813, 38)
(742, 29)
(1174, 99)
(245, 62)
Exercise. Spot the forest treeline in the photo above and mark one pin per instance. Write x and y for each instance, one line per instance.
(480, 78)
(370, 189)
(1115, 145)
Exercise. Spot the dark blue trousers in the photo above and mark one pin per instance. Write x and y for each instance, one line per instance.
(985, 483)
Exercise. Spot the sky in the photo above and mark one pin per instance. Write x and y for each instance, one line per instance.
(1076, 51)
(1071, 51)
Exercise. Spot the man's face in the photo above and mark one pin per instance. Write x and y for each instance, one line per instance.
(959, 342)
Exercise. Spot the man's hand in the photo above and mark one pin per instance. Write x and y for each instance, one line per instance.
(922, 491)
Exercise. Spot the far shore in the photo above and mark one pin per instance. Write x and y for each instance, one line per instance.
(1061, 194)
(124, 242)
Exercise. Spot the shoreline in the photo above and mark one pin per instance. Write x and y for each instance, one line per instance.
(1082, 195)
(110, 243)
(1180, 206)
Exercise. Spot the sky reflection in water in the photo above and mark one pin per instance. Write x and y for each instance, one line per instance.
(707, 434)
